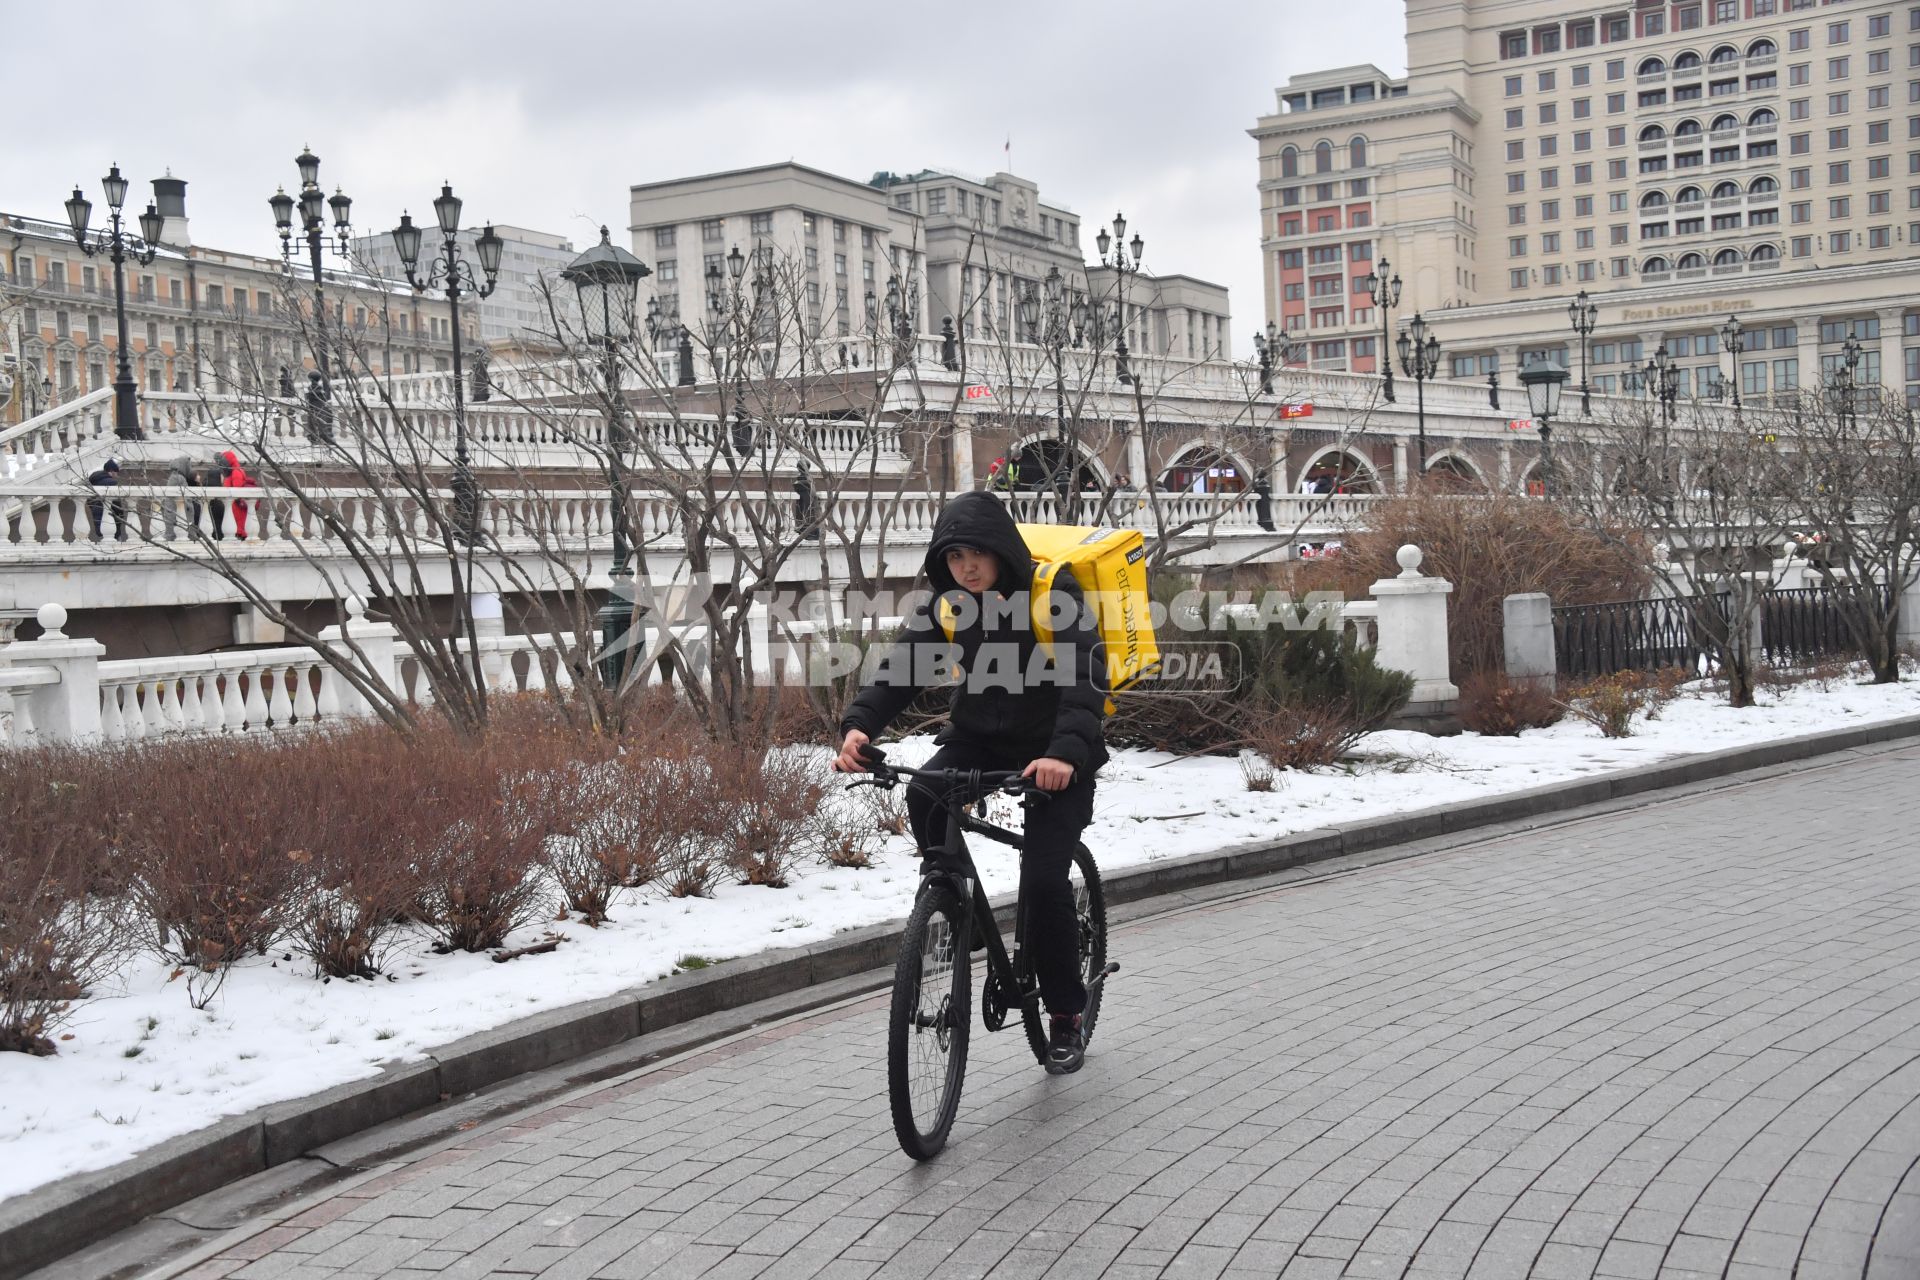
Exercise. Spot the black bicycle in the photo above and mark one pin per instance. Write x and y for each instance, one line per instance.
(932, 979)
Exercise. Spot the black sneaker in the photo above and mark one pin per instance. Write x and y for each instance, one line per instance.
(1066, 1049)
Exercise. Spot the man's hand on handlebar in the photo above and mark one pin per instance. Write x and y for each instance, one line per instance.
(1049, 774)
(849, 760)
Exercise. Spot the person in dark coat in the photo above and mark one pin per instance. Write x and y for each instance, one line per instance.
(106, 478)
(182, 473)
(806, 521)
(1002, 717)
(1263, 500)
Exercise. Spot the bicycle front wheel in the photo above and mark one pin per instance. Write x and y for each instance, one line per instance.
(927, 1034)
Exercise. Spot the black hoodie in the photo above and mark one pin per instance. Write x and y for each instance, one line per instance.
(1056, 717)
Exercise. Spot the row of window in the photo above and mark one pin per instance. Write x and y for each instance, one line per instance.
(1652, 21)
(1323, 157)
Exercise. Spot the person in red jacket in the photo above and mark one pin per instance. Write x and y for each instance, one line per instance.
(234, 476)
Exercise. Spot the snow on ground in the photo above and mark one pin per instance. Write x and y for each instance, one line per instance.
(142, 1065)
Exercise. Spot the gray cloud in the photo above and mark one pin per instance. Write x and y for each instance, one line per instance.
(544, 115)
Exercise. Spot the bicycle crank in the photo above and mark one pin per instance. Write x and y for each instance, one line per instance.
(993, 1004)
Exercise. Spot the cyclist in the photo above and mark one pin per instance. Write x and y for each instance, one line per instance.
(1012, 708)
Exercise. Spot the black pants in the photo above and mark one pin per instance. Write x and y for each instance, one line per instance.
(1053, 830)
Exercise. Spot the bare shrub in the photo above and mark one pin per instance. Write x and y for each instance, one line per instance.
(1822, 673)
(1612, 703)
(1664, 685)
(771, 800)
(216, 833)
(1489, 546)
(1304, 735)
(1493, 705)
(1256, 771)
(57, 936)
(478, 874)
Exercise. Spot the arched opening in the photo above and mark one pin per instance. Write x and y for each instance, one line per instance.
(1725, 190)
(1725, 55)
(1652, 66)
(1687, 129)
(1691, 262)
(1290, 162)
(1357, 152)
(1653, 200)
(1338, 470)
(1451, 472)
(1202, 468)
(1762, 49)
(1766, 253)
(1652, 133)
(1322, 157)
(1763, 186)
(1763, 116)
(1532, 480)
(1655, 265)
(1727, 258)
(1686, 61)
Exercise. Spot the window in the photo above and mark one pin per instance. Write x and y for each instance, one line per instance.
(1513, 44)
(1583, 238)
(1617, 29)
(1583, 206)
(1726, 10)
(1582, 75)
(761, 224)
(1653, 23)
(1799, 109)
(813, 258)
(1515, 118)
(1877, 167)
(1546, 40)
(1879, 25)
(1549, 210)
(1879, 62)
(1582, 108)
(1516, 246)
(1583, 173)
(1836, 68)
(1878, 99)
(1290, 259)
(1549, 179)
(1616, 103)
(1798, 144)
(1799, 40)
(1800, 211)
(1550, 145)
(1616, 170)
(1687, 18)
(1516, 150)
(1546, 82)
(1550, 242)
(1839, 207)
(839, 264)
(1653, 98)
(1799, 179)
(1513, 86)
(1836, 33)
(1516, 215)
(1517, 278)
(1616, 202)
(1617, 135)
(712, 230)
(937, 201)
(1799, 73)
(1837, 242)
(1516, 182)
(1836, 139)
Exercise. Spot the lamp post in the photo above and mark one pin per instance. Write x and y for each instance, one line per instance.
(118, 244)
(1846, 402)
(1662, 381)
(1275, 349)
(454, 275)
(313, 228)
(607, 279)
(1543, 381)
(1733, 338)
(1419, 360)
(1124, 260)
(1385, 294)
(1584, 315)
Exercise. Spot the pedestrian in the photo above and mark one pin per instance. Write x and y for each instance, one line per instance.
(997, 474)
(1006, 713)
(107, 477)
(805, 522)
(181, 473)
(234, 476)
(1263, 500)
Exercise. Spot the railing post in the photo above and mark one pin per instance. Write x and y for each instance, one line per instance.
(377, 641)
(1528, 634)
(68, 711)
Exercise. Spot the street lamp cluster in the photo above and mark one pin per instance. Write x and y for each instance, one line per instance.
(313, 205)
(1385, 295)
(1123, 258)
(1420, 360)
(119, 244)
(1276, 350)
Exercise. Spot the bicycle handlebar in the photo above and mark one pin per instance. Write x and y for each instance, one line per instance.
(980, 781)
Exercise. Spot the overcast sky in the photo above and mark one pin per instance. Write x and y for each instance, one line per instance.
(543, 115)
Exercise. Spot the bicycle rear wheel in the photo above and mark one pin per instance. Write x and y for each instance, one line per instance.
(1090, 919)
(930, 1022)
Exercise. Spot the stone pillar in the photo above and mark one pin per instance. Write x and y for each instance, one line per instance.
(1528, 633)
(489, 622)
(377, 641)
(1137, 458)
(1400, 484)
(250, 626)
(1413, 630)
(1506, 465)
(1808, 350)
(68, 711)
(964, 475)
(1893, 369)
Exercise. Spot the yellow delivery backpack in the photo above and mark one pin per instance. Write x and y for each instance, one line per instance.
(1111, 568)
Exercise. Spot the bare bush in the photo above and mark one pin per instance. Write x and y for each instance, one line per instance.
(771, 800)
(1256, 771)
(1493, 705)
(1612, 703)
(58, 936)
(1304, 735)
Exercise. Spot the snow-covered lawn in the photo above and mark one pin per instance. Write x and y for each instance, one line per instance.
(142, 1066)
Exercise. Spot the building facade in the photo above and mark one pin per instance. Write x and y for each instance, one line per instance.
(197, 318)
(954, 247)
(1681, 162)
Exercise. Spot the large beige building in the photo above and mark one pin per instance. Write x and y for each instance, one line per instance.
(1680, 162)
(959, 247)
(198, 318)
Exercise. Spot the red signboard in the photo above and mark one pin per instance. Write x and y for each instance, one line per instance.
(1520, 424)
(1297, 410)
(979, 391)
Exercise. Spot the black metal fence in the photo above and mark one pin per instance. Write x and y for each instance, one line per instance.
(1797, 626)
(1591, 640)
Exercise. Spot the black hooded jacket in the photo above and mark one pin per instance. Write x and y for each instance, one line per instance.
(1058, 717)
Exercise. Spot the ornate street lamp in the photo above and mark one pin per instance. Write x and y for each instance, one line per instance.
(1733, 338)
(1419, 360)
(1846, 383)
(1662, 381)
(450, 272)
(1276, 350)
(1584, 315)
(119, 245)
(313, 228)
(1124, 261)
(1385, 294)
(607, 279)
(1543, 381)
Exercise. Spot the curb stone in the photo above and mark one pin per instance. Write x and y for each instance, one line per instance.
(65, 1216)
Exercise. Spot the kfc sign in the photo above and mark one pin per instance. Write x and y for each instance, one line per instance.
(1297, 410)
(1520, 424)
(979, 391)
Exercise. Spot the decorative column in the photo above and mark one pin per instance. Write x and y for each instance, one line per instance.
(1400, 484)
(964, 475)
(1506, 466)
(489, 622)
(377, 641)
(1413, 631)
(1893, 369)
(69, 710)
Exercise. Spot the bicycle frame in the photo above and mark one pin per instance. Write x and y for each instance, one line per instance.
(1012, 972)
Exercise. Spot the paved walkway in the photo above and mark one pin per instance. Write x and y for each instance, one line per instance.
(1679, 1041)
